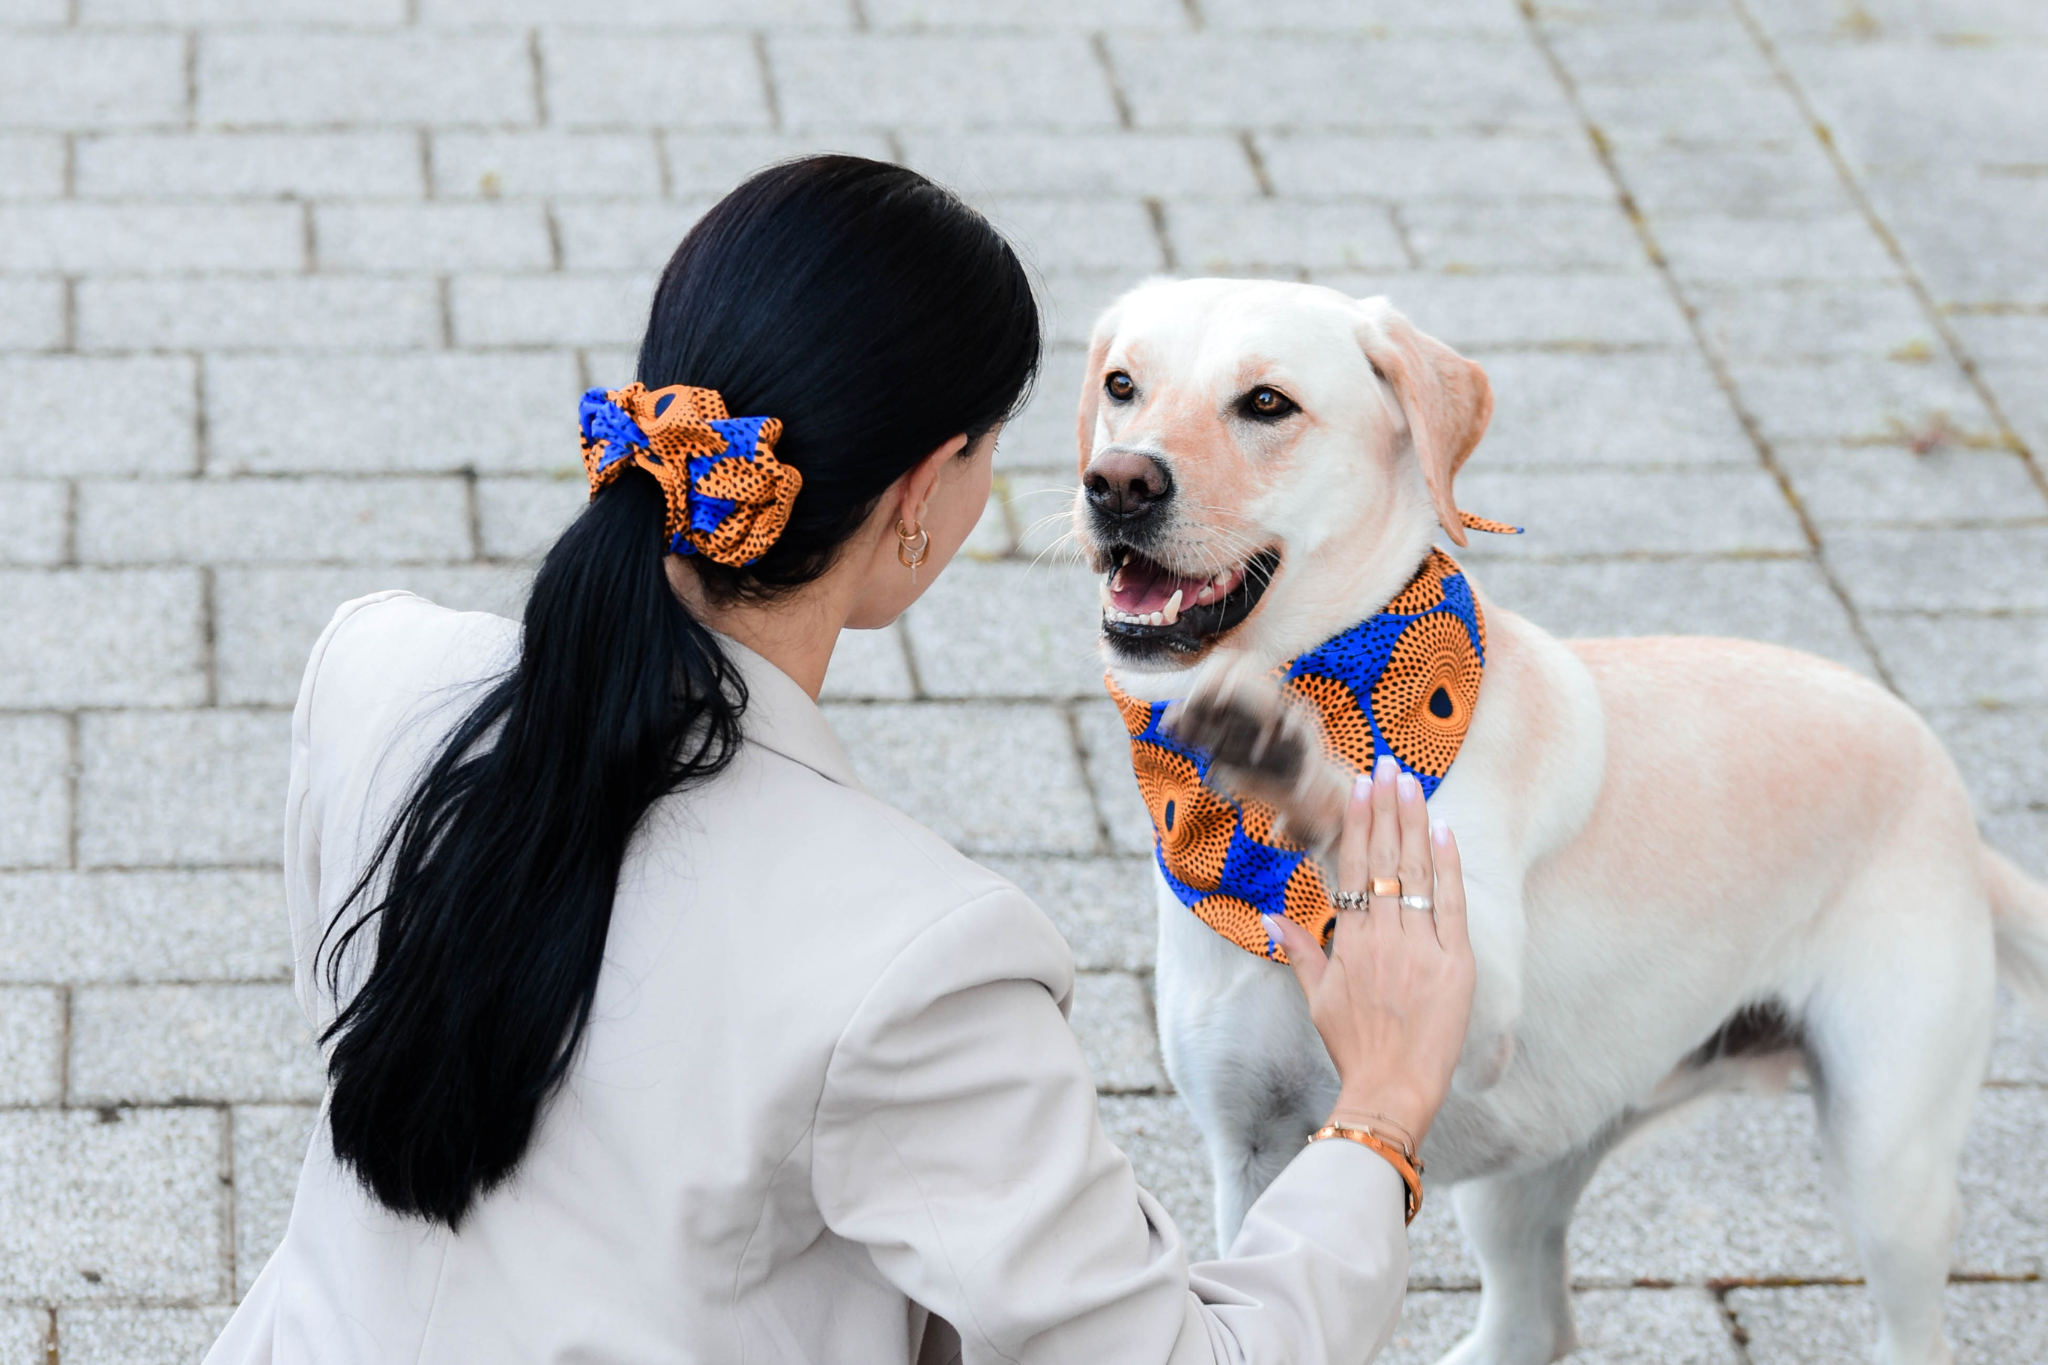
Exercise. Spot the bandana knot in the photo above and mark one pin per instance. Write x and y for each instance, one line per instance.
(728, 496)
(1403, 682)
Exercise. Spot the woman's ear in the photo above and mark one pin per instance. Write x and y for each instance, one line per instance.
(917, 484)
(1444, 396)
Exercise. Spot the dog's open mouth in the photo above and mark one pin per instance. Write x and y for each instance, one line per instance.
(1150, 609)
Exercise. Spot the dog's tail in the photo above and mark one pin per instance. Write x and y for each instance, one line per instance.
(2019, 911)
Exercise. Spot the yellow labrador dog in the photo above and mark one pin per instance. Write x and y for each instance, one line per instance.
(1688, 859)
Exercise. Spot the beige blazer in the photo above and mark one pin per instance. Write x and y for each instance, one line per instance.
(828, 1097)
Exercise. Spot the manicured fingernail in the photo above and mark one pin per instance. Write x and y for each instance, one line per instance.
(1272, 923)
(1440, 831)
(1386, 767)
(1410, 788)
(1361, 789)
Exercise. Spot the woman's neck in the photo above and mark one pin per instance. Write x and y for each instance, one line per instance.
(796, 632)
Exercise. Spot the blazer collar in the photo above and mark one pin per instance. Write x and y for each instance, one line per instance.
(782, 717)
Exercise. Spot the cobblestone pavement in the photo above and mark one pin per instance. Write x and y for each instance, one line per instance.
(296, 297)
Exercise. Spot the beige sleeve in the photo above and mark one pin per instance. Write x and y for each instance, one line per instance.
(957, 1139)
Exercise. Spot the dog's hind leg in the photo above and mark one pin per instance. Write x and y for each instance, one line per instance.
(1898, 1049)
(1516, 1224)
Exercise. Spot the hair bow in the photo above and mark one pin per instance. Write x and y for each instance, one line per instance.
(728, 496)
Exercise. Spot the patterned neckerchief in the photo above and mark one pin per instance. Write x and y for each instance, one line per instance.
(1401, 682)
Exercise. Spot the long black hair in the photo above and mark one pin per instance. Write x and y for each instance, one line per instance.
(878, 317)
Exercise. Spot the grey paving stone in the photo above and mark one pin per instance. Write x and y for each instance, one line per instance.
(111, 80)
(2020, 1055)
(100, 637)
(547, 162)
(1270, 236)
(1069, 301)
(1896, 484)
(33, 514)
(2021, 836)
(623, 234)
(31, 165)
(1336, 81)
(1931, 569)
(173, 1044)
(1514, 234)
(1579, 311)
(1113, 1019)
(1613, 512)
(1956, 660)
(589, 309)
(210, 12)
(1751, 321)
(244, 520)
(712, 163)
(147, 406)
(1793, 181)
(1106, 749)
(1078, 234)
(1723, 247)
(1010, 630)
(398, 76)
(1781, 601)
(1988, 1324)
(25, 1335)
(220, 165)
(270, 1142)
(1864, 400)
(934, 762)
(1166, 1154)
(1640, 408)
(134, 1335)
(1647, 45)
(298, 313)
(1041, 437)
(202, 925)
(110, 1206)
(519, 518)
(1103, 906)
(430, 237)
(143, 238)
(1493, 16)
(181, 787)
(911, 81)
(31, 1045)
(268, 619)
(1112, 165)
(640, 14)
(35, 798)
(361, 414)
(2017, 342)
(868, 665)
(1972, 246)
(595, 81)
(1681, 110)
(1437, 164)
(1616, 1327)
(2003, 754)
(31, 313)
(1049, 14)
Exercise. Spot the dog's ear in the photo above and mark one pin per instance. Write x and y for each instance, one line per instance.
(1091, 381)
(1445, 397)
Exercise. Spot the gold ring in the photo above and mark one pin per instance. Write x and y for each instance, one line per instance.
(1386, 886)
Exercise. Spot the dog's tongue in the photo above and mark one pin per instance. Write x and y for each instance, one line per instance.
(1141, 587)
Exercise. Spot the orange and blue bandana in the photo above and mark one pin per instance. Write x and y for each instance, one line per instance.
(728, 496)
(1402, 682)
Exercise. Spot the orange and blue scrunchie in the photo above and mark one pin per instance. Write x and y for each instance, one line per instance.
(728, 496)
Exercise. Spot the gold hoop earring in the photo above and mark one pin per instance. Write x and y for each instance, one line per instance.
(912, 546)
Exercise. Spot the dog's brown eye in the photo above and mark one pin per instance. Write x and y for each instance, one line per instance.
(1265, 402)
(1119, 386)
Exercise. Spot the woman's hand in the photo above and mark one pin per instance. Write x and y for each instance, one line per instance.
(1392, 997)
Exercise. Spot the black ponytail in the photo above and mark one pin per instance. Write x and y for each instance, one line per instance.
(878, 317)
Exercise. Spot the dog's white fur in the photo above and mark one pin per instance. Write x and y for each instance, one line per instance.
(1656, 833)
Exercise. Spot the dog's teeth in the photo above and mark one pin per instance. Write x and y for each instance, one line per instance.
(1108, 601)
(1172, 612)
(1204, 593)
(1157, 618)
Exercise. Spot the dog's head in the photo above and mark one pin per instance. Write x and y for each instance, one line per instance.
(1260, 462)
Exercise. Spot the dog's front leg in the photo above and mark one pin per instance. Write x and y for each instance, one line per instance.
(1239, 1047)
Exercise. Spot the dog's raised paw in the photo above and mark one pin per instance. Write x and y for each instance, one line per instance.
(1263, 746)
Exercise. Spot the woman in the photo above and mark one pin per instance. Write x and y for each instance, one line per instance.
(652, 1035)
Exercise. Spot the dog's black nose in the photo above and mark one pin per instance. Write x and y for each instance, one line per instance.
(1123, 484)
